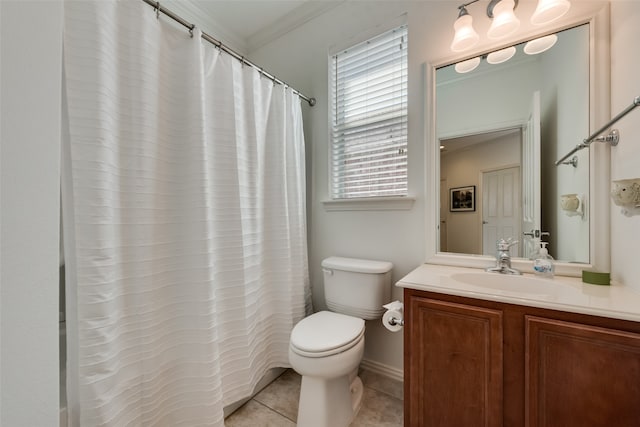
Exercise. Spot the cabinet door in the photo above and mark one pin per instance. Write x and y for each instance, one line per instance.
(454, 365)
(578, 375)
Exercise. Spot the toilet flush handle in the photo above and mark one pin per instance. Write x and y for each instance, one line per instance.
(328, 271)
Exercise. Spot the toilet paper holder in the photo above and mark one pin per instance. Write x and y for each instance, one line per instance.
(393, 318)
(395, 322)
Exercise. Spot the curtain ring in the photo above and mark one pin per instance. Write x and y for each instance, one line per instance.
(157, 8)
(242, 61)
(191, 30)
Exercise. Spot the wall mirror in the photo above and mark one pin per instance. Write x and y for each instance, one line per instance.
(501, 120)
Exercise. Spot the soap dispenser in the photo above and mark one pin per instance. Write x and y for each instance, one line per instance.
(543, 264)
(534, 246)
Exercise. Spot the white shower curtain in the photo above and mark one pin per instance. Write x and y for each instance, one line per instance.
(184, 221)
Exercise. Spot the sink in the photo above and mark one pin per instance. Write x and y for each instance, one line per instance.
(523, 285)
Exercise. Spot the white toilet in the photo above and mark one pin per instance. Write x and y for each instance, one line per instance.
(326, 348)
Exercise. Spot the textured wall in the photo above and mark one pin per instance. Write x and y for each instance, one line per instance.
(31, 37)
(625, 158)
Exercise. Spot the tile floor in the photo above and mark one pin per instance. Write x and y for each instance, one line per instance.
(277, 404)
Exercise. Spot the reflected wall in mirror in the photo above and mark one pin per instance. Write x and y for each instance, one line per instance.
(501, 127)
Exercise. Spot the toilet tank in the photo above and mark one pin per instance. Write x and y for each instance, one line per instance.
(357, 287)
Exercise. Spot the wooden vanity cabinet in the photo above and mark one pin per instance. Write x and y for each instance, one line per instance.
(580, 375)
(471, 362)
(454, 365)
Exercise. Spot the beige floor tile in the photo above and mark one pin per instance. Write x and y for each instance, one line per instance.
(282, 395)
(379, 410)
(255, 414)
(277, 404)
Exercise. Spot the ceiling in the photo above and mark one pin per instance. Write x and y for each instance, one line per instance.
(245, 25)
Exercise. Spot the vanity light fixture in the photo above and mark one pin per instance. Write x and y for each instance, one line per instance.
(532, 47)
(465, 36)
(468, 65)
(549, 10)
(504, 21)
(500, 56)
(540, 45)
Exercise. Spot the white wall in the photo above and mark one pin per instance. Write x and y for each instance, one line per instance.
(301, 58)
(625, 158)
(31, 55)
(396, 236)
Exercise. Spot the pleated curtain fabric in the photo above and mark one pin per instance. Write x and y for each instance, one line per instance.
(184, 221)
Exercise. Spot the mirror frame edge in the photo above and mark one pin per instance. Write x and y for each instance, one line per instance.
(599, 157)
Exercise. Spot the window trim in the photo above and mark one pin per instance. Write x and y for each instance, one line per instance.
(394, 203)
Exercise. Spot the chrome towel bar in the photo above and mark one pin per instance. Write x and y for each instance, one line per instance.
(613, 137)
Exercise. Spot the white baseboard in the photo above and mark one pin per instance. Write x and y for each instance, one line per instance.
(382, 369)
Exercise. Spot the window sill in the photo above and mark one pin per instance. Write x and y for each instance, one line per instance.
(370, 204)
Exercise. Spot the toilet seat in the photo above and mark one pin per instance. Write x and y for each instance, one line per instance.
(326, 333)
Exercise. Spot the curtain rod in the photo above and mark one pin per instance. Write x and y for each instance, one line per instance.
(217, 43)
(612, 138)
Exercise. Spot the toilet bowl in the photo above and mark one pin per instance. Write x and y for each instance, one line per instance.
(326, 348)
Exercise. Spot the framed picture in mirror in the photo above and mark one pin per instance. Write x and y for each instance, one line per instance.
(462, 199)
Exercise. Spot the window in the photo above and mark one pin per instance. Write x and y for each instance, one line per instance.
(369, 118)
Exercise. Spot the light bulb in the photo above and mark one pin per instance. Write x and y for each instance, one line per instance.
(549, 10)
(504, 21)
(465, 37)
(468, 65)
(500, 56)
(541, 44)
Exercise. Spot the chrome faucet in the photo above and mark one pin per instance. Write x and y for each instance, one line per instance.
(503, 258)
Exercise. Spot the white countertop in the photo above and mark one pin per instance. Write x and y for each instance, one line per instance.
(559, 293)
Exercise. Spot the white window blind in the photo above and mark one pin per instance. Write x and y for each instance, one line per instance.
(369, 129)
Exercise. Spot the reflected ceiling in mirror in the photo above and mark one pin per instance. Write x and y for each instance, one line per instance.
(502, 126)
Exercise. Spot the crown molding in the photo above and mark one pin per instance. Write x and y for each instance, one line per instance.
(297, 17)
(204, 20)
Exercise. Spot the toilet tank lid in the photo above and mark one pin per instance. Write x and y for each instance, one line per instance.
(357, 265)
